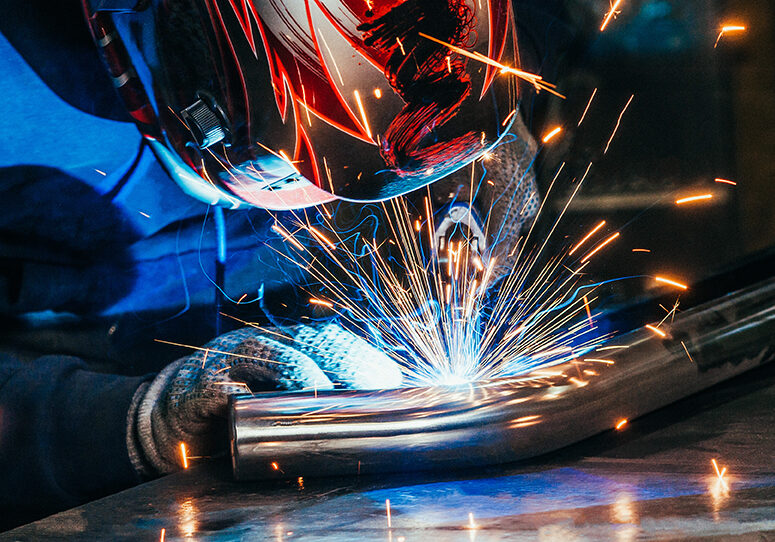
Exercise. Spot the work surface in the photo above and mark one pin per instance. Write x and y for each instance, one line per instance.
(653, 480)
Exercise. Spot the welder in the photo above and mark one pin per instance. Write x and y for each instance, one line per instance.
(253, 115)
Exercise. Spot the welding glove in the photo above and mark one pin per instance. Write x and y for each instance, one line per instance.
(506, 200)
(187, 401)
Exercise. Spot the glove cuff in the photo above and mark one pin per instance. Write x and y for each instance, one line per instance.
(151, 438)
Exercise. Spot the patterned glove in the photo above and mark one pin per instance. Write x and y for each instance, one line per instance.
(509, 202)
(187, 400)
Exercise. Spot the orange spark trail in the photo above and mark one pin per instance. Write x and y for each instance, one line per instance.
(321, 302)
(621, 423)
(363, 113)
(600, 247)
(184, 455)
(657, 331)
(687, 352)
(508, 118)
(535, 80)
(589, 313)
(726, 181)
(287, 236)
(387, 508)
(586, 110)
(610, 15)
(618, 123)
(671, 282)
(693, 198)
(586, 238)
(548, 137)
(726, 30)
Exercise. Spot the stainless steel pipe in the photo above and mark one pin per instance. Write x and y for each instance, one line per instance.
(347, 432)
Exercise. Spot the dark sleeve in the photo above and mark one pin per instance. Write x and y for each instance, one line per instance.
(62, 435)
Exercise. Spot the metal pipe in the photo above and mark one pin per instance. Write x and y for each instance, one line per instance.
(347, 432)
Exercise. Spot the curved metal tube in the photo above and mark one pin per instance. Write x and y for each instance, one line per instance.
(281, 435)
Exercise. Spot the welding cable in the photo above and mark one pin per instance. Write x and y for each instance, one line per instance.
(220, 266)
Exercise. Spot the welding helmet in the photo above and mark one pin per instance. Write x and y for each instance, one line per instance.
(287, 104)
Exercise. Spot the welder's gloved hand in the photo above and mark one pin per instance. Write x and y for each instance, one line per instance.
(187, 401)
(505, 194)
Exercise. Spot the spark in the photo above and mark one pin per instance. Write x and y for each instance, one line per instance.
(656, 330)
(579, 383)
(600, 247)
(586, 109)
(387, 510)
(363, 113)
(719, 473)
(586, 238)
(687, 352)
(733, 28)
(589, 312)
(671, 283)
(641, 250)
(184, 455)
(377, 93)
(548, 137)
(621, 423)
(241, 299)
(321, 302)
(101, 172)
(691, 199)
(287, 159)
(306, 107)
(726, 181)
(535, 80)
(332, 57)
(146, 215)
(595, 360)
(317, 233)
(162, 535)
(618, 123)
(449, 65)
(509, 117)
(287, 236)
(400, 45)
(471, 523)
(610, 15)
(275, 466)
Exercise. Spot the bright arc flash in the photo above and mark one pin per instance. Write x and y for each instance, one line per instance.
(691, 199)
(671, 283)
(551, 135)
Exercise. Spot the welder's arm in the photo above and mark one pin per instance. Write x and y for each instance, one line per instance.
(62, 434)
(187, 401)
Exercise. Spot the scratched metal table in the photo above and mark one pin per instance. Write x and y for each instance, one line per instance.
(652, 481)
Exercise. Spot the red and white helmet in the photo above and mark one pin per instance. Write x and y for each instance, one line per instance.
(286, 104)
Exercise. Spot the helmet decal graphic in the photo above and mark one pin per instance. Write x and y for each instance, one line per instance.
(301, 41)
